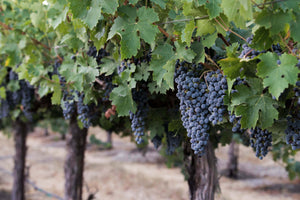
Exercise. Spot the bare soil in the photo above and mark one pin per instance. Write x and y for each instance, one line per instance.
(123, 173)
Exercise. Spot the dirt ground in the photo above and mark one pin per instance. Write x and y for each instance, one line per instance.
(123, 173)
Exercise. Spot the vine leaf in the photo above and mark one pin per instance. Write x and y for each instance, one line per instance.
(121, 97)
(250, 103)
(154, 88)
(79, 8)
(109, 7)
(188, 32)
(274, 22)
(161, 3)
(295, 28)
(142, 72)
(213, 7)
(160, 56)
(93, 14)
(108, 66)
(261, 39)
(133, 25)
(237, 11)
(277, 77)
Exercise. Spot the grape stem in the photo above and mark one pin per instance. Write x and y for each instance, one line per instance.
(226, 28)
(289, 48)
(184, 20)
(257, 5)
(211, 60)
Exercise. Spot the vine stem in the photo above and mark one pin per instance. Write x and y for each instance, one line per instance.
(184, 20)
(248, 53)
(211, 60)
(35, 41)
(271, 2)
(202, 75)
(255, 4)
(226, 28)
(165, 33)
(289, 48)
(223, 39)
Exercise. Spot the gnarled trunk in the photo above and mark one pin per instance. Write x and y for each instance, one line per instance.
(233, 154)
(20, 135)
(202, 172)
(109, 137)
(74, 164)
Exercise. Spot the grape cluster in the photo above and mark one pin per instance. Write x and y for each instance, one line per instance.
(248, 51)
(68, 103)
(24, 96)
(27, 92)
(4, 108)
(84, 111)
(260, 140)
(124, 64)
(97, 54)
(191, 92)
(297, 92)
(156, 140)
(217, 86)
(293, 131)
(235, 120)
(140, 96)
(173, 141)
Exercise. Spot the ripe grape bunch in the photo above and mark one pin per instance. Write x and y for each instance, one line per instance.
(293, 131)
(84, 111)
(23, 96)
(260, 140)
(156, 140)
(248, 51)
(191, 92)
(173, 141)
(140, 96)
(217, 86)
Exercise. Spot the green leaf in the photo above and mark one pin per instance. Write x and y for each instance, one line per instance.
(209, 40)
(93, 14)
(169, 75)
(277, 77)
(184, 53)
(122, 98)
(133, 25)
(295, 28)
(160, 56)
(261, 40)
(275, 22)
(198, 48)
(59, 18)
(204, 27)
(109, 6)
(161, 3)
(213, 7)
(133, 1)
(108, 66)
(2, 92)
(233, 67)
(78, 8)
(142, 72)
(188, 32)
(250, 103)
(237, 11)
(159, 89)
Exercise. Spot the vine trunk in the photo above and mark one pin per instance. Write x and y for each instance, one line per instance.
(20, 135)
(233, 154)
(74, 164)
(202, 173)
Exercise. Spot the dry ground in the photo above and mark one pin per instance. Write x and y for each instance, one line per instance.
(124, 174)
